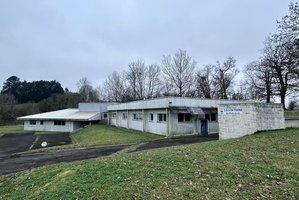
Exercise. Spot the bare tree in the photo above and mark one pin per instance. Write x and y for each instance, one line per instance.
(116, 87)
(284, 66)
(288, 27)
(153, 81)
(179, 71)
(204, 82)
(86, 90)
(144, 80)
(242, 92)
(136, 78)
(260, 80)
(223, 77)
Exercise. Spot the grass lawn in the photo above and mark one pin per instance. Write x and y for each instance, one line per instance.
(261, 166)
(104, 134)
(11, 129)
(291, 113)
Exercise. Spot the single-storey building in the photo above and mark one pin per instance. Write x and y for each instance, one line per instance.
(173, 116)
(67, 120)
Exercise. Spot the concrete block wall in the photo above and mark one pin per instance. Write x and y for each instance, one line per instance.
(240, 119)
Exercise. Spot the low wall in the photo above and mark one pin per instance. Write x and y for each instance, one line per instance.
(240, 119)
(292, 122)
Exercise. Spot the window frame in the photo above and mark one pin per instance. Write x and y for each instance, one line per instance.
(59, 123)
(32, 122)
(137, 116)
(182, 118)
(151, 117)
(161, 117)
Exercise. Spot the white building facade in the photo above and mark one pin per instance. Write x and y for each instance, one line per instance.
(67, 120)
(168, 116)
(174, 116)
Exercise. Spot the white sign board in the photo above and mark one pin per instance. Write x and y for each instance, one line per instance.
(228, 111)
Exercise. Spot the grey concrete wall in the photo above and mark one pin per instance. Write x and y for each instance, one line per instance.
(155, 126)
(292, 122)
(168, 102)
(49, 126)
(181, 128)
(94, 107)
(240, 119)
(213, 127)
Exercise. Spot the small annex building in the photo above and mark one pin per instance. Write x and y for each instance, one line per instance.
(67, 120)
(172, 116)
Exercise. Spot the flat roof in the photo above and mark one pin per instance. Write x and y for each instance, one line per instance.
(70, 114)
(168, 102)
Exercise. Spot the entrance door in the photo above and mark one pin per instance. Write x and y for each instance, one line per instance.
(204, 127)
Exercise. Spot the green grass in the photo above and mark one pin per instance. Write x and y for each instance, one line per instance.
(47, 132)
(11, 129)
(262, 166)
(106, 135)
(20, 129)
(291, 113)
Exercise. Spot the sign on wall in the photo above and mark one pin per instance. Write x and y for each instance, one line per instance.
(227, 111)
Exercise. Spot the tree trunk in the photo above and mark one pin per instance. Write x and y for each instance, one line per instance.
(282, 98)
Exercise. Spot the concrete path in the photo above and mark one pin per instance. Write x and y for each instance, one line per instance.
(11, 160)
(19, 162)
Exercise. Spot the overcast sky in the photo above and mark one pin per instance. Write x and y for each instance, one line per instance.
(65, 40)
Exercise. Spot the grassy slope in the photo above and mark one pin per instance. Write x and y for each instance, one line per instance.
(105, 134)
(262, 166)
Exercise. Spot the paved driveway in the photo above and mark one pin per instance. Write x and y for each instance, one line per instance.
(11, 160)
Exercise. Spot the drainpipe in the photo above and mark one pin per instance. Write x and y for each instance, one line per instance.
(108, 113)
(167, 122)
(128, 118)
(168, 118)
(143, 121)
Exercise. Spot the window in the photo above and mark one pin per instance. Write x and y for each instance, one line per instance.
(213, 117)
(180, 117)
(187, 117)
(32, 122)
(59, 123)
(41, 122)
(161, 117)
(105, 115)
(125, 115)
(208, 116)
(113, 115)
(151, 118)
(184, 117)
(137, 116)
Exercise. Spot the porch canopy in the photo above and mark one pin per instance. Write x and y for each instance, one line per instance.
(196, 111)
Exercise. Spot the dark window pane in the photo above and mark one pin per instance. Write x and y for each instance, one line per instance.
(180, 117)
(187, 117)
(213, 117)
(207, 116)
